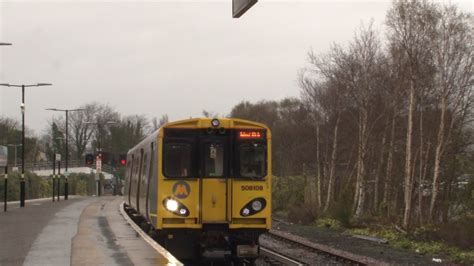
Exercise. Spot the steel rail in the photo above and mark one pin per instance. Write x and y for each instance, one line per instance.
(285, 260)
(339, 255)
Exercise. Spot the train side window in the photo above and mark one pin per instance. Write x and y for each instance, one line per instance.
(177, 159)
(252, 159)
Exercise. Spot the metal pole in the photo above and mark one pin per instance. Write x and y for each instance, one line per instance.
(98, 185)
(54, 177)
(66, 188)
(16, 147)
(59, 179)
(100, 156)
(66, 184)
(22, 179)
(6, 190)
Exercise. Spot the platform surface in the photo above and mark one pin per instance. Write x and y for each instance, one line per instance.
(80, 231)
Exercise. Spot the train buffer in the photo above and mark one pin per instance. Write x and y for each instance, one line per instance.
(80, 231)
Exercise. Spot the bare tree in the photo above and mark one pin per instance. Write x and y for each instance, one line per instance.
(156, 124)
(82, 131)
(410, 23)
(453, 50)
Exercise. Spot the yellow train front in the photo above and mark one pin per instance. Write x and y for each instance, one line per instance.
(202, 187)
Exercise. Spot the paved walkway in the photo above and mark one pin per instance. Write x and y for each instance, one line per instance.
(80, 231)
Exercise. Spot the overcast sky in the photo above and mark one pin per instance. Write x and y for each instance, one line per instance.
(165, 57)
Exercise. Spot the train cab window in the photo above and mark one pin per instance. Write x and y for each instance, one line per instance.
(177, 159)
(213, 160)
(252, 159)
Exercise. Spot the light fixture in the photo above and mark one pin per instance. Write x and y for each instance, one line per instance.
(215, 122)
(171, 205)
(254, 206)
(175, 207)
(257, 205)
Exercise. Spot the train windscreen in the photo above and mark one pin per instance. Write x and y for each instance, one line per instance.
(252, 159)
(177, 159)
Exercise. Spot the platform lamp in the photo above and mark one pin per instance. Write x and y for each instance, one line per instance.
(66, 173)
(22, 106)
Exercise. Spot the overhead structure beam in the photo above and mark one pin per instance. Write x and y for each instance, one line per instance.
(239, 7)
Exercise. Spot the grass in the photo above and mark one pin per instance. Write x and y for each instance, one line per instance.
(329, 223)
(433, 248)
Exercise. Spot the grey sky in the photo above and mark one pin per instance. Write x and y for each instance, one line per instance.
(157, 57)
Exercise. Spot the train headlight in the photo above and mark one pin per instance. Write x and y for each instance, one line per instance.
(253, 207)
(257, 205)
(171, 205)
(215, 122)
(175, 207)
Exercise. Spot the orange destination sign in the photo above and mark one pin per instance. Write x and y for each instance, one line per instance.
(250, 134)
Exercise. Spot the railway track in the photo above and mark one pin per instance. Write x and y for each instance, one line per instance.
(309, 253)
(282, 248)
(271, 257)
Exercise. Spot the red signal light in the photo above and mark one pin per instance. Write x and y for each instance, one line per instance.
(123, 159)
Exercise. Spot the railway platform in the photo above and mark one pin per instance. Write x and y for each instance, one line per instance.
(79, 231)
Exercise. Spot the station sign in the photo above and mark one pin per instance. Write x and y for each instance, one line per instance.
(98, 164)
(3, 156)
(57, 157)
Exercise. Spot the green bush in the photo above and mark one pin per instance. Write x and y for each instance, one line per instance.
(41, 187)
(288, 197)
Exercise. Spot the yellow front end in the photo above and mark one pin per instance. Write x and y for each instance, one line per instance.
(214, 182)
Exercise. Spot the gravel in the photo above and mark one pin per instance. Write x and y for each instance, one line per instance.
(348, 243)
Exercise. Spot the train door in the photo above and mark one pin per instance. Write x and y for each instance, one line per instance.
(151, 182)
(139, 180)
(214, 165)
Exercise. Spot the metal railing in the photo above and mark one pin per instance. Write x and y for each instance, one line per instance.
(48, 165)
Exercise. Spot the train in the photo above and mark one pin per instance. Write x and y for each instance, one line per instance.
(202, 187)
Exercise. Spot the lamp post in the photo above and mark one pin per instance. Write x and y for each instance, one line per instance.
(16, 146)
(99, 149)
(57, 158)
(22, 179)
(66, 184)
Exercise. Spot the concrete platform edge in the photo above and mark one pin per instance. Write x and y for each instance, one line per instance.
(148, 239)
